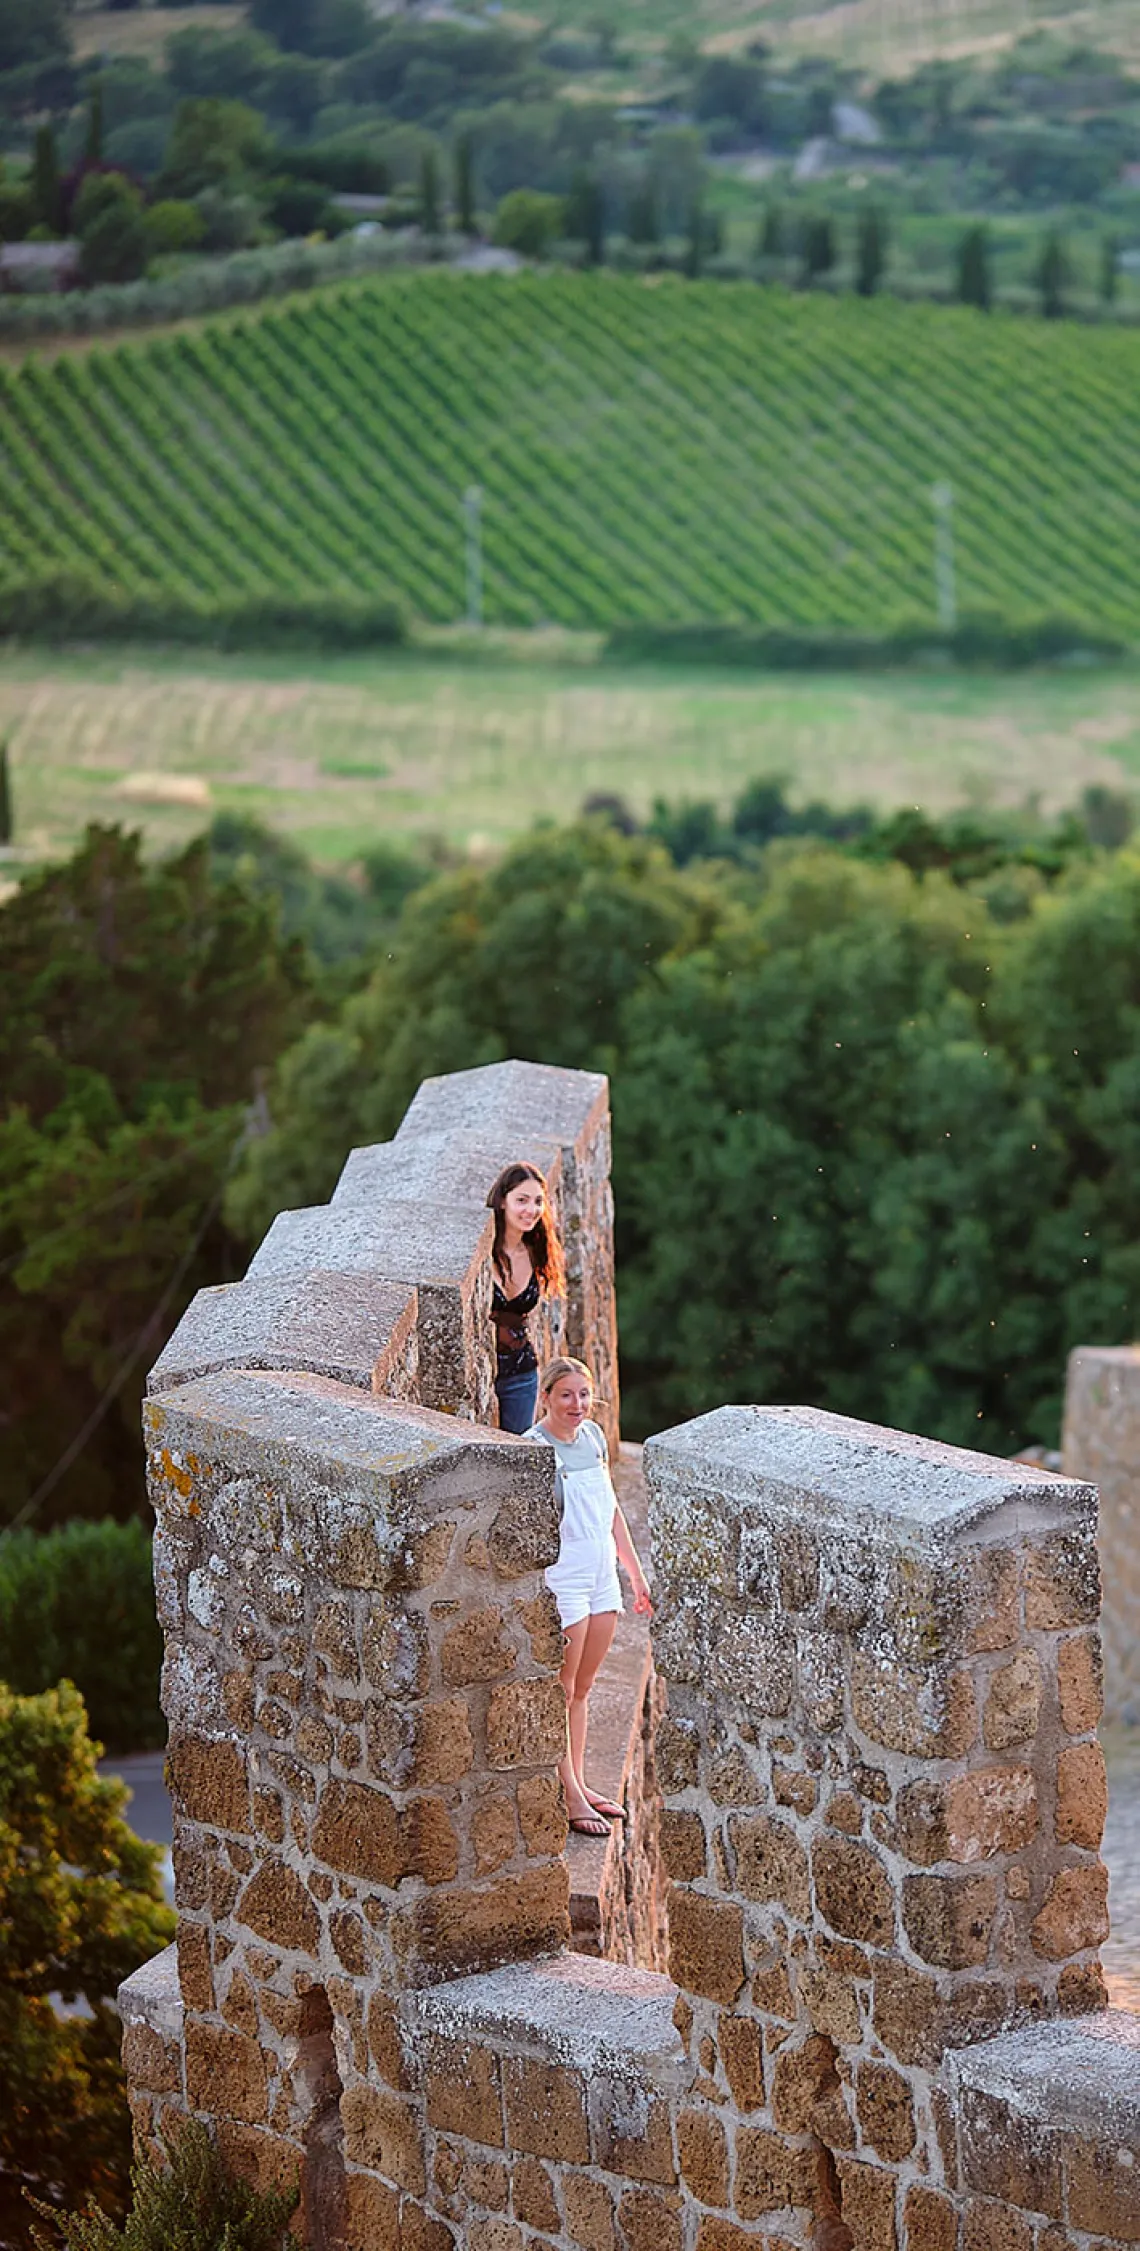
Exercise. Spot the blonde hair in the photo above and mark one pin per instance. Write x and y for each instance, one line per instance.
(556, 1369)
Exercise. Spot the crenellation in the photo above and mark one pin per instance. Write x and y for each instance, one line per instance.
(866, 1794)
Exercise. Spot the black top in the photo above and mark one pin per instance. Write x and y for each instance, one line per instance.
(515, 1354)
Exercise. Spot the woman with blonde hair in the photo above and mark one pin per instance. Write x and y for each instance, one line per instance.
(526, 1263)
(594, 1537)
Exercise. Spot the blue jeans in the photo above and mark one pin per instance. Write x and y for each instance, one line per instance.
(517, 1397)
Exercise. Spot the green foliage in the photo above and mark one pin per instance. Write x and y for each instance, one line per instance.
(770, 242)
(173, 225)
(7, 822)
(817, 247)
(341, 923)
(93, 152)
(1109, 269)
(871, 251)
(1052, 276)
(191, 2202)
(465, 216)
(80, 1908)
(58, 607)
(34, 31)
(978, 639)
(213, 143)
(585, 217)
(974, 286)
(528, 222)
(431, 212)
(47, 192)
(834, 414)
(17, 210)
(141, 1006)
(78, 1603)
(570, 918)
(112, 229)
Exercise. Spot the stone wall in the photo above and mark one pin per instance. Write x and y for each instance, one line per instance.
(388, 1286)
(881, 1803)
(1101, 1441)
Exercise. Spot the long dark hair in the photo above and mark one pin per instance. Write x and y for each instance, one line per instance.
(541, 1240)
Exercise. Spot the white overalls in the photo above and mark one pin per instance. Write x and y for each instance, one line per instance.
(584, 1581)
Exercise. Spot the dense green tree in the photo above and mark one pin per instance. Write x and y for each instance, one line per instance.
(213, 144)
(431, 210)
(140, 1006)
(817, 247)
(643, 223)
(34, 31)
(871, 251)
(93, 151)
(47, 189)
(1052, 276)
(465, 213)
(1109, 269)
(528, 222)
(80, 1908)
(770, 242)
(586, 215)
(108, 219)
(7, 819)
(973, 286)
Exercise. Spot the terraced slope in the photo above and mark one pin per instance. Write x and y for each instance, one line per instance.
(668, 452)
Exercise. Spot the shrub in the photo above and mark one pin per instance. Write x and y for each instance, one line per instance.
(191, 2200)
(80, 1907)
(172, 226)
(528, 222)
(979, 639)
(78, 1603)
(62, 605)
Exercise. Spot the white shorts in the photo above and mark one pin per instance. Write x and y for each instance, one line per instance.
(584, 1581)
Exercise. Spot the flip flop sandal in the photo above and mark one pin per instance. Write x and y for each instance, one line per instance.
(611, 1812)
(590, 1828)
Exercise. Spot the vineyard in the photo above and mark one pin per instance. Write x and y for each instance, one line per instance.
(678, 451)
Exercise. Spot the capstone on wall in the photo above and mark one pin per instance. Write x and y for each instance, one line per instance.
(388, 1286)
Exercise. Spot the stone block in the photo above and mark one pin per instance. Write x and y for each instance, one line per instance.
(706, 1944)
(195, 1972)
(1008, 2155)
(884, 2107)
(993, 2227)
(493, 1835)
(151, 2062)
(869, 2200)
(1104, 2186)
(930, 2221)
(421, 2230)
(684, 1850)
(1080, 1682)
(474, 1928)
(208, 1782)
(1082, 1796)
(742, 2054)
(677, 1755)
(385, 2044)
(532, 2196)
(771, 1864)
(372, 2215)
(649, 2223)
(383, 2134)
(526, 1723)
(1074, 1916)
(1062, 1582)
(771, 2174)
(924, 1715)
(1013, 1702)
(225, 2074)
(906, 2014)
(546, 2110)
(590, 2212)
(477, 1649)
(853, 1891)
(702, 2149)
(276, 1905)
(357, 1830)
(352, 1327)
(464, 2092)
(949, 1919)
(802, 2078)
(542, 1814)
(639, 2146)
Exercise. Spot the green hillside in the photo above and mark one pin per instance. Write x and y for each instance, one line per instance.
(669, 451)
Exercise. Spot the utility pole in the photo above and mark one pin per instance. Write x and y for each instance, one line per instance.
(945, 591)
(473, 524)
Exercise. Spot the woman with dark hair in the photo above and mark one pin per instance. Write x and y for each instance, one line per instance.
(526, 1262)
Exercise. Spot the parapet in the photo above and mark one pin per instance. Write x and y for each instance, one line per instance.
(388, 1286)
(1101, 1440)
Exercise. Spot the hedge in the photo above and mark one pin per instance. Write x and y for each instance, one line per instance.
(77, 1603)
(980, 639)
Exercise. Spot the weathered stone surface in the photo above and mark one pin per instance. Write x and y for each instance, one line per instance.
(383, 2133)
(1013, 1705)
(869, 2199)
(702, 2149)
(853, 1890)
(1075, 1913)
(542, 1814)
(949, 1919)
(357, 1830)
(992, 1810)
(706, 1944)
(208, 1783)
(590, 2212)
(474, 1928)
(464, 2091)
(771, 1864)
(927, 1715)
(742, 2054)
(477, 1649)
(1062, 1582)
(546, 2110)
(930, 2221)
(884, 2107)
(277, 1906)
(771, 2174)
(349, 1326)
(225, 2074)
(1082, 1796)
(1080, 1681)
(684, 1848)
(526, 1723)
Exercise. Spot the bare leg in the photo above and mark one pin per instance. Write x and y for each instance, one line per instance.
(578, 1805)
(599, 1634)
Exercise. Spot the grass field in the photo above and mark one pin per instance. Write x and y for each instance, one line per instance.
(474, 749)
(145, 31)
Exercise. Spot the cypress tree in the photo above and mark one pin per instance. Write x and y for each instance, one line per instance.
(1052, 274)
(643, 222)
(695, 253)
(1109, 253)
(465, 185)
(872, 252)
(5, 797)
(93, 153)
(45, 181)
(430, 219)
(817, 248)
(771, 240)
(973, 279)
(586, 216)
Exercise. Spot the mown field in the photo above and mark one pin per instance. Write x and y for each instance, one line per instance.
(339, 753)
(675, 451)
